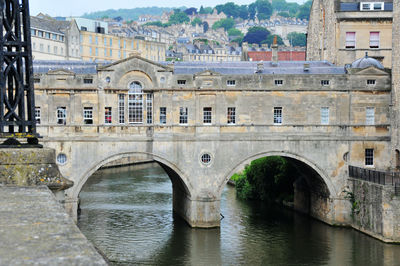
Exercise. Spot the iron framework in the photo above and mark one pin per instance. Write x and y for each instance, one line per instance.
(17, 103)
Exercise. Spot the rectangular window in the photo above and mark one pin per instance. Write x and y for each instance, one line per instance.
(88, 115)
(277, 115)
(163, 115)
(325, 82)
(97, 40)
(61, 115)
(231, 115)
(55, 50)
(110, 42)
(325, 115)
(371, 82)
(365, 6)
(37, 115)
(97, 51)
(370, 116)
(105, 41)
(48, 35)
(90, 39)
(135, 108)
(183, 115)
(88, 81)
(181, 82)
(36, 80)
(110, 52)
(107, 115)
(350, 40)
(278, 82)
(374, 39)
(40, 33)
(105, 52)
(149, 108)
(121, 108)
(33, 32)
(90, 50)
(231, 82)
(369, 157)
(54, 36)
(207, 115)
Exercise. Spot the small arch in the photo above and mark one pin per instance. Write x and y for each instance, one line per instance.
(176, 175)
(135, 87)
(240, 166)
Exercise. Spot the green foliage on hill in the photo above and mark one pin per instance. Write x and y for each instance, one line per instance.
(196, 21)
(128, 14)
(178, 17)
(266, 179)
(270, 40)
(235, 32)
(227, 23)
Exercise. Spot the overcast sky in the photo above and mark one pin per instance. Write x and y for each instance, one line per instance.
(79, 7)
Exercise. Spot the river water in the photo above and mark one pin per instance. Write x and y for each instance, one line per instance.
(127, 214)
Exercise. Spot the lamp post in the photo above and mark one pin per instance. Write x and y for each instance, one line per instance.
(17, 101)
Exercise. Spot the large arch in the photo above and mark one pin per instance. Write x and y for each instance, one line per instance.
(242, 163)
(179, 178)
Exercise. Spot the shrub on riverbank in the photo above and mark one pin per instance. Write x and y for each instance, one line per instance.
(267, 179)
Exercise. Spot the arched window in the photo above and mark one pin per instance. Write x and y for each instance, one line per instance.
(135, 103)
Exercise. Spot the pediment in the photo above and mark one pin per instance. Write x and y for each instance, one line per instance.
(61, 71)
(372, 71)
(135, 62)
(207, 73)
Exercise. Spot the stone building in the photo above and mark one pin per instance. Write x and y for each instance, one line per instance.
(53, 39)
(357, 27)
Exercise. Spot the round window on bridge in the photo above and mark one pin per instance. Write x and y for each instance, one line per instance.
(206, 159)
(61, 158)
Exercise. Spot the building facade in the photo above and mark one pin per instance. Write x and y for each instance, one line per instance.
(358, 27)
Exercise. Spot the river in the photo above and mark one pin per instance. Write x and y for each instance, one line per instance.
(127, 213)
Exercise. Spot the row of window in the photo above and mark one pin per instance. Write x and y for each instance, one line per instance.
(55, 49)
(135, 113)
(278, 82)
(47, 35)
(374, 39)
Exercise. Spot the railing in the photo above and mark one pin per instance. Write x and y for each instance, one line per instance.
(378, 177)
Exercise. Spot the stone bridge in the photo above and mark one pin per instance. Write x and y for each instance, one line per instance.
(202, 122)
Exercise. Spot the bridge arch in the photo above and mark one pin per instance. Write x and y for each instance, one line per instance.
(178, 178)
(239, 166)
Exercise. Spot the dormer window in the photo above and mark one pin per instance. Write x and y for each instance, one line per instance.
(372, 6)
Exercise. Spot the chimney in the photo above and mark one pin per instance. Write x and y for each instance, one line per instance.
(245, 51)
(260, 67)
(274, 47)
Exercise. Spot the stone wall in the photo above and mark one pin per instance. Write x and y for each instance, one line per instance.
(375, 210)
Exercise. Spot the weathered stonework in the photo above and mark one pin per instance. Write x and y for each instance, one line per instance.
(375, 210)
(31, 167)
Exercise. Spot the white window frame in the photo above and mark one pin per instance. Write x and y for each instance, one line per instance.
(370, 116)
(207, 115)
(135, 103)
(231, 116)
(121, 108)
(350, 40)
(325, 82)
(372, 6)
(62, 115)
(374, 39)
(369, 157)
(278, 115)
(149, 108)
(183, 115)
(278, 82)
(231, 83)
(371, 82)
(88, 115)
(108, 115)
(324, 115)
(163, 115)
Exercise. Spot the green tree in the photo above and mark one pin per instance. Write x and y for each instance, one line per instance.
(243, 12)
(264, 9)
(191, 11)
(226, 23)
(197, 21)
(283, 14)
(270, 40)
(252, 10)
(304, 11)
(279, 5)
(205, 10)
(293, 8)
(235, 32)
(178, 17)
(256, 35)
(297, 39)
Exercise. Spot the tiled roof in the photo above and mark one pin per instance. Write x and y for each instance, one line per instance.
(51, 25)
(77, 67)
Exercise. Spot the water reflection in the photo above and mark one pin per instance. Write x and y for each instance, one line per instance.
(127, 213)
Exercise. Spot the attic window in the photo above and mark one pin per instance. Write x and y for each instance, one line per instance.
(36, 80)
(278, 82)
(371, 82)
(325, 82)
(88, 81)
(231, 82)
(181, 82)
